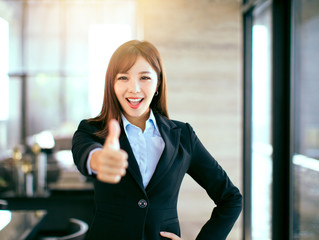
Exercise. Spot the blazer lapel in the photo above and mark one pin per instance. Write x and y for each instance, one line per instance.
(171, 136)
(133, 167)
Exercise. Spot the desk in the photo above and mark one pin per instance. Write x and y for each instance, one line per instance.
(23, 225)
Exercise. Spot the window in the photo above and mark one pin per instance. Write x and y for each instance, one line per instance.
(4, 82)
(281, 119)
(58, 56)
(305, 83)
(4, 63)
(261, 124)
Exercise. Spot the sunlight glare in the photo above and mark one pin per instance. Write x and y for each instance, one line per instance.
(103, 41)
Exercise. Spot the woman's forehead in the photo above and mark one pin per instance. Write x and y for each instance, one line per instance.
(138, 61)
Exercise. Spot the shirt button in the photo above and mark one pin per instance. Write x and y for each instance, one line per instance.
(142, 203)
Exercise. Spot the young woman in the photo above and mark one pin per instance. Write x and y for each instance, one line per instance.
(138, 157)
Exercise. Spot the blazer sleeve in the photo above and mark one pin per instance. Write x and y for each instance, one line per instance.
(84, 140)
(206, 171)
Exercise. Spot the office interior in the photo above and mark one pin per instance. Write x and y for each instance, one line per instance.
(244, 74)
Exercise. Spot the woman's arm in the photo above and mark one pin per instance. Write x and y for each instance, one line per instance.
(206, 171)
(83, 142)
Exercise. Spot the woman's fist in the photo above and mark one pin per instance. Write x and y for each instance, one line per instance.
(110, 162)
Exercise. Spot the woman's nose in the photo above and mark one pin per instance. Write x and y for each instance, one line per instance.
(134, 86)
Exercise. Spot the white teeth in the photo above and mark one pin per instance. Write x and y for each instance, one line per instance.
(134, 100)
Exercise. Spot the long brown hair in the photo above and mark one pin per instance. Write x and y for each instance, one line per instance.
(121, 61)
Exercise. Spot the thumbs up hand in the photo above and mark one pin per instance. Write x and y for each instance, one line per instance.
(110, 162)
(112, 140)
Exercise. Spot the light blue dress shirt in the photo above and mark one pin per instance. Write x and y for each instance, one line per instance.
(147, 146)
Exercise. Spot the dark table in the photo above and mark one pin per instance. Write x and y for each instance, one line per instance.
(23, 225)
(69, 197)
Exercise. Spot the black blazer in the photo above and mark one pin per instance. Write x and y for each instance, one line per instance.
(128, 211)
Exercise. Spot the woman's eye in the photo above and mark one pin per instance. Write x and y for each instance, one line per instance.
(145, 78)
(122, 78)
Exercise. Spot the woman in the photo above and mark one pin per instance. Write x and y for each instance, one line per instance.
(138, 157)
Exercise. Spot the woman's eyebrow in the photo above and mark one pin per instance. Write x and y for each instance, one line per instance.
(144, 72)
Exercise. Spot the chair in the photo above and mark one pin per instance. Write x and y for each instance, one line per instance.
(78, 229)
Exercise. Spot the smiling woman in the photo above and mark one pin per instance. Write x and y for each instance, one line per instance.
(137, 157)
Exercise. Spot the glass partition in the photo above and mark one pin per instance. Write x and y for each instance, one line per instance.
(305, 82)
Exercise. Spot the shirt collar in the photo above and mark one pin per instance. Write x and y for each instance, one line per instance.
(150, 122)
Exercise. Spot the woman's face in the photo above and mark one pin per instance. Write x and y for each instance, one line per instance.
(135, 89)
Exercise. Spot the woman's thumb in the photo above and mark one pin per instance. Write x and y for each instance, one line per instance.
(112, 139)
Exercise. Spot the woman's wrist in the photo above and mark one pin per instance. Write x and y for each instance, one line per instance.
(93, 160)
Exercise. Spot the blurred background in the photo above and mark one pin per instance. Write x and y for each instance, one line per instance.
(236, 70)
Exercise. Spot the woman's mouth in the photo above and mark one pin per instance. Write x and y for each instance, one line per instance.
(134, 102)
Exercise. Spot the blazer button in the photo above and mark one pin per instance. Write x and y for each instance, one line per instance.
(142, 203)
